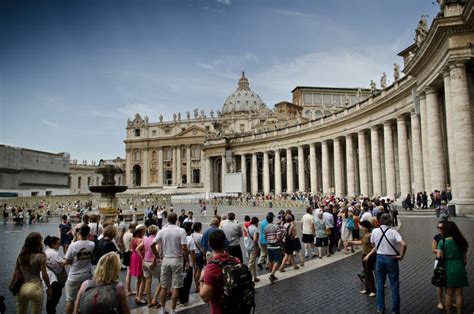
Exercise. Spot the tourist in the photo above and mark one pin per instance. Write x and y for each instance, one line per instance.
(159, 214)
(112, 293)
(273, 242)
(390, 249)
(329, 221)
(288, 242)
(368, 265)
(262, 260)
(151, 220)
(151, 269)
(453, 250)
(434, 247)
(211, 288)
(182, 217)
(188, 274)
(322, 239)
(136, 263)
(190, 218)
(127, 240)
(408, 202)
(122, 229)
(245, 226)
(31, 263)
(5, 214)
(251, 245)
(105, 244)
(233, 233)
(56, 272)
(223, 220)
(79, 256)
(346, 233)
(297, 250)
(84, 222)
(65, 233)
(172, 240)
(199, 253)
(95, 227)
(214, 225)
(308, 232)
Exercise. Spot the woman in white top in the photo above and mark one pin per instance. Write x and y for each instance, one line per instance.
(95, 226)
(55, 267)
(199, 253)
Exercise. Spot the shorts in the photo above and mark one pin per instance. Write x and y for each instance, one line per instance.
(307, 238)
(71, 288)
(199, 261)
(322, 242)
(296, 244)
(151, 272)
(171, 272)
(274, 255)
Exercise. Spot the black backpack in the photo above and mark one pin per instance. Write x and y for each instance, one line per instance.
(239, 288)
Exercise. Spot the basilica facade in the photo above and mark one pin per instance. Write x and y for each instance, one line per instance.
(415, 134)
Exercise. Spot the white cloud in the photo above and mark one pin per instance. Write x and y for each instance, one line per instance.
(228, 66)
(50, 124)
(212, 10)
(228, 2)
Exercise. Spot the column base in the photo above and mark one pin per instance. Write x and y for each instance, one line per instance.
(464, 206)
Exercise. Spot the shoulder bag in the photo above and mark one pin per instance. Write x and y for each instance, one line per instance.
(439, 273)
(17, 280)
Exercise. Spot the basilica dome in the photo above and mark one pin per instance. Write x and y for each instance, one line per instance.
(244, 100)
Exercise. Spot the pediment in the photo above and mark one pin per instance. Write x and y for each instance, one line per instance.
(192, 131)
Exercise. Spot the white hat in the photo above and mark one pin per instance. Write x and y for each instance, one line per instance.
(140, 226)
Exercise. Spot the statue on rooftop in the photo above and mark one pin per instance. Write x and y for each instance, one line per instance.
(421, 30)
(203, 114)
(383, 81)
(188, 115)
(174, 116)
(373, 88)
(396, 72)
(161, 117)
(179, 116)
(196, 113)
(212, 113)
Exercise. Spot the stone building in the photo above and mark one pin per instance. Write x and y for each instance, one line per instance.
(84, 175)
(28, 172)
(415, 134)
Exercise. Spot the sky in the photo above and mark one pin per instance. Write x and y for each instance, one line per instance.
(73, 71)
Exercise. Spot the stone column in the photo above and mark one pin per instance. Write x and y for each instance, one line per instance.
(254, 174)
(363, 174)
(376, 168)
(203, 165)
(417, 153)
(450, 129)
(403, 157)
(207, 175)
(301, 176)
(437, 162)
(146, 167)
(243, 169)
(337, 167)
(277, 172)
(160, 166)
(223, 171)
(389, 159)
(350, 166)
(326, 168)
(312, 168)
(289, 171)
(173, 176)
(425, 145)
(128, 167)
(266, 174)
(189, 180)
(463, 134)
(178, 165)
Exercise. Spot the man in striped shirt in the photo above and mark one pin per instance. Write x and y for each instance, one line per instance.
(273, 237)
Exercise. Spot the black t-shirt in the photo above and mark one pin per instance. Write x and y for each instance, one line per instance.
(438, 237)
(181, 219)
(104, 246)
(151, 221)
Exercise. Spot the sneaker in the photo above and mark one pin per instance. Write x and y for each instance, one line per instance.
(372, 294)
(363, 292)
(272, 278)
(296, 267)
(260, 266)
(282, 270)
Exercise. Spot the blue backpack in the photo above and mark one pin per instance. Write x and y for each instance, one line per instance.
(350, 224)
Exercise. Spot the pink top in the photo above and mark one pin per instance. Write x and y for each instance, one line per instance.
(147, 243)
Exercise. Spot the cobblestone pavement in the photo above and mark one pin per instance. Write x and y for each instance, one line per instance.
(335, 288)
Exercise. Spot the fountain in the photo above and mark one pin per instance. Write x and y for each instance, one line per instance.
(108, 203)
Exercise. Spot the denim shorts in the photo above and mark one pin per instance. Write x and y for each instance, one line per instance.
(274, 255)
(71, 288)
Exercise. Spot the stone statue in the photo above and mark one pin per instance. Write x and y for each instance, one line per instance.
(373, 88)
(188, 115)
(396, 72)
(346, 101)
(218, 113)
(421, 30)
(212, 113)
(161, 117)
(359, 93)
(196, 113)
(179, 116)
(383, 81)
(203, 114)
(146, 119)
(174, 116)
(410, 56)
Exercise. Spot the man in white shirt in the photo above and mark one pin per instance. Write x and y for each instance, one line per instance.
(367, 215)
(172, 241)
(308, 231)
(79, 256)
(329, 220)
(390, 248)
(190, 218)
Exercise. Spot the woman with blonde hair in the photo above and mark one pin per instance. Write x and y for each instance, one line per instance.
(31, 262)
(104, 293)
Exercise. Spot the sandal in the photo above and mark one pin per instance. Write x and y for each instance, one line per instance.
(131, 293)
(140, 302)
(153, 304)
(440, 306)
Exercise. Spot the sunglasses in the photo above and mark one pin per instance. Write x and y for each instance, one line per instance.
(440, 227)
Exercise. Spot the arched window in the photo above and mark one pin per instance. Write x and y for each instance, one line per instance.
(153, 155)
(308, 113)
(318, 114)
(137, 175)
(196, 176)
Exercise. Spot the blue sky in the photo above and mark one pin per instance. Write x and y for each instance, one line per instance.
(72, 72)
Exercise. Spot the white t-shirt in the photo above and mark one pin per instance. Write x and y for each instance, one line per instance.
(80, 253)
(53, 261)
(197, 237)
(94, 229)
(307, 222)
(159, 214)
(191, 245)
(127, 240)
(191, 220)
(391, 235)
(366, 216)
(171, 238)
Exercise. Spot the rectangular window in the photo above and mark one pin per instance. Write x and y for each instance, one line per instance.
(354, 100)
(153, 132)
(49, 193)
(79, 182)
(137, 132)
(317, 99)
(336, 99)
(308, 99)
(326, 99)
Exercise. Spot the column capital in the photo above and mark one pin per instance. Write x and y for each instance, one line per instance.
(430, 90)
(402, 118)
(422, 95)
(413, 112)
(387, 123)
(453, 64)
(375, 127)
(361, 132)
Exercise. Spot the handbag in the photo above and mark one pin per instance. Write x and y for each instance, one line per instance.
(61, 276)
(439, 273)
(17, 280)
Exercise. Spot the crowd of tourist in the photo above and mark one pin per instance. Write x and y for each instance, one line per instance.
(172, 251)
